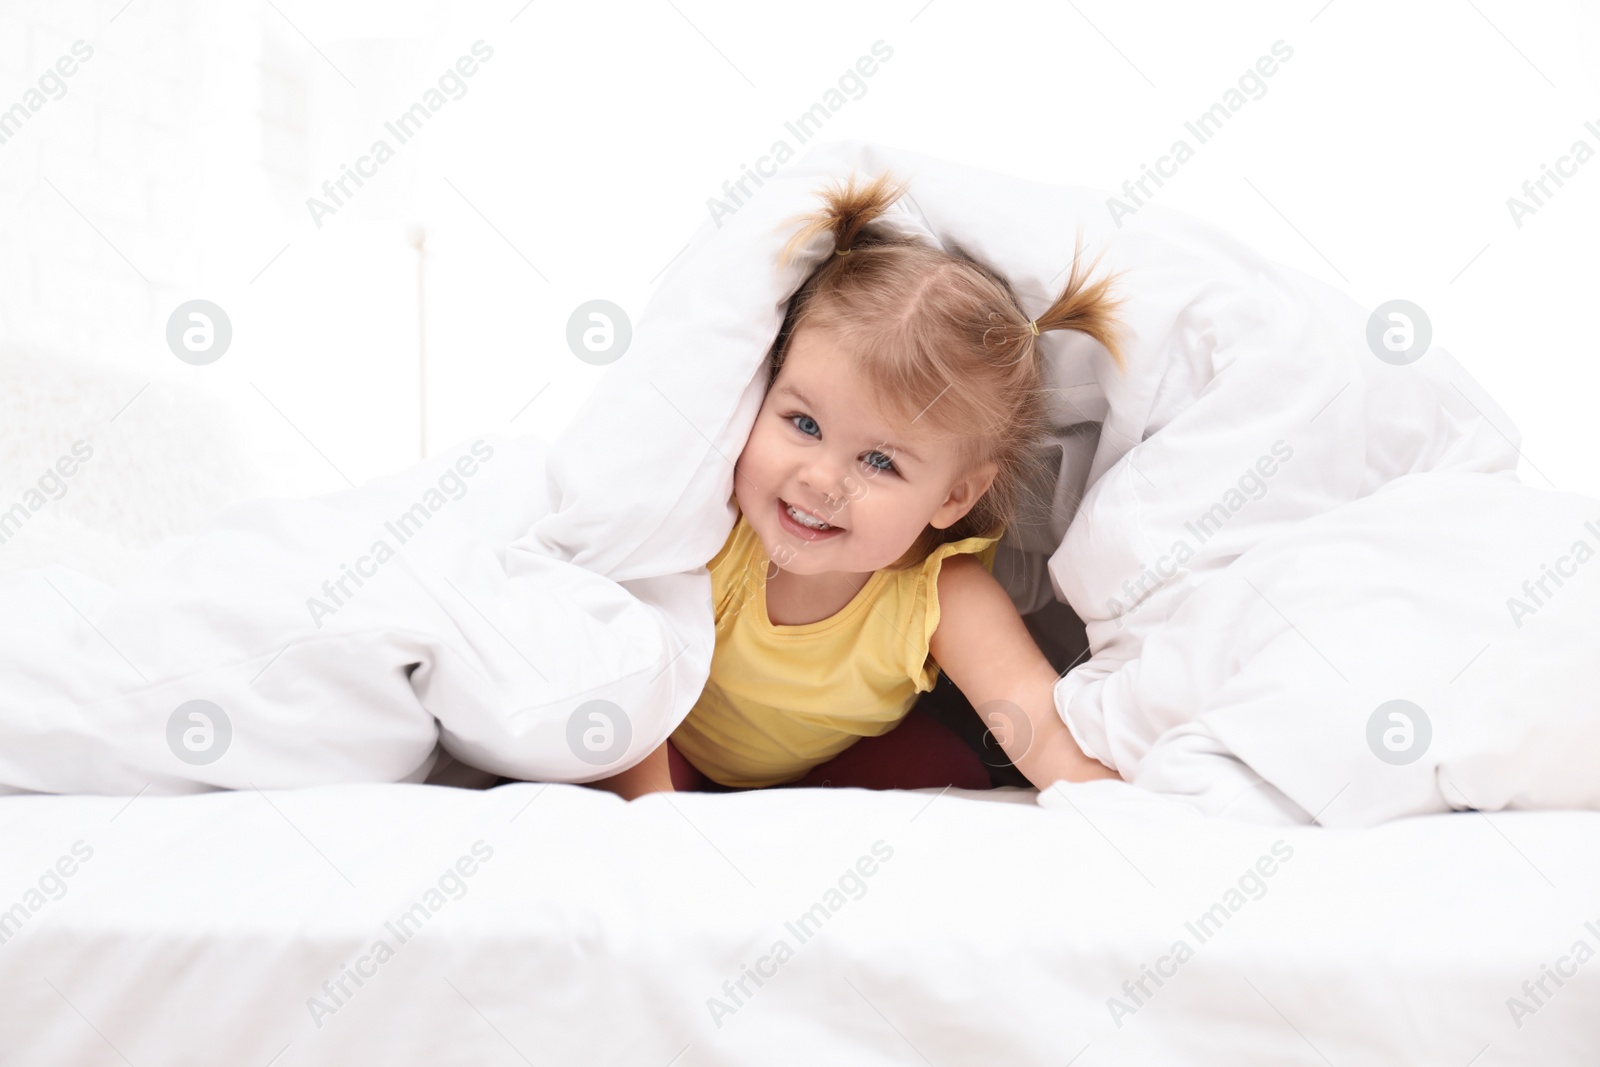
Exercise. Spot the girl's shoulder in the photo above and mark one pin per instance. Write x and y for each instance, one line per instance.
(737, 566)
(983, 548)
(738, 537)
(920, 602)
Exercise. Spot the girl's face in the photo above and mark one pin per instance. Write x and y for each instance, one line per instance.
(820, 445)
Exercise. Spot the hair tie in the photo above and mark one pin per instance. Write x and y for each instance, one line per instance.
(1033, 325)
(841, 252)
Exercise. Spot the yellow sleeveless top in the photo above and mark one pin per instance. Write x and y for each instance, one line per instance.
(782, 699)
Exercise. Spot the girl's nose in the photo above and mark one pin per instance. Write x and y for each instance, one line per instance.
(833, 485)
(824, 481)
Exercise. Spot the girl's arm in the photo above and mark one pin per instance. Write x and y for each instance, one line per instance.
(650, 775)
(984, 646)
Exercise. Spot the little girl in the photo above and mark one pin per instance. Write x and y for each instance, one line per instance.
(904, 395)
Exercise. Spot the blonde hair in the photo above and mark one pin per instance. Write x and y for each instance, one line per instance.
(942, 340)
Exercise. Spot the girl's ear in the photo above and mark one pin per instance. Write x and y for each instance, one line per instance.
(964, 494)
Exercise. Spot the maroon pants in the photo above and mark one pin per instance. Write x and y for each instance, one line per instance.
(918, 754)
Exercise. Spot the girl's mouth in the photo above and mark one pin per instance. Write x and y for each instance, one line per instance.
(800, 529)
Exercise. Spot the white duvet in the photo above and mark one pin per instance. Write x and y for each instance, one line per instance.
(1270, 532)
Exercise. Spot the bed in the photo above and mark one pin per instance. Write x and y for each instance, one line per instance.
(1096, 924)
(333, 888)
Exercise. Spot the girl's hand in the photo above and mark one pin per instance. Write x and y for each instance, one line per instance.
(984, 646)
(650, 775)
(1053, 755)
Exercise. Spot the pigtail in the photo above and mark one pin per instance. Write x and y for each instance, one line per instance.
(1087, 308)
(846, 212)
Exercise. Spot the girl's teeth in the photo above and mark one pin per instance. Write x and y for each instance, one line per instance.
(806, 520)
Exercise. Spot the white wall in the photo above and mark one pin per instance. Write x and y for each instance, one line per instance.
(582, 155)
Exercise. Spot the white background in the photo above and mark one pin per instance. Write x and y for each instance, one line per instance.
(581, 159)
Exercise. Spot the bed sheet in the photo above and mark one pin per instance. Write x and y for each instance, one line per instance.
(1093, 925)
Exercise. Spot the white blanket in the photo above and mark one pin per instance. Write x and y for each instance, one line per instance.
(342, 639)
(1251, 406)
(1290, 662)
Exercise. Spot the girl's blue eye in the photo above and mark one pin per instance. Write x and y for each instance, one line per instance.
(806, 425)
